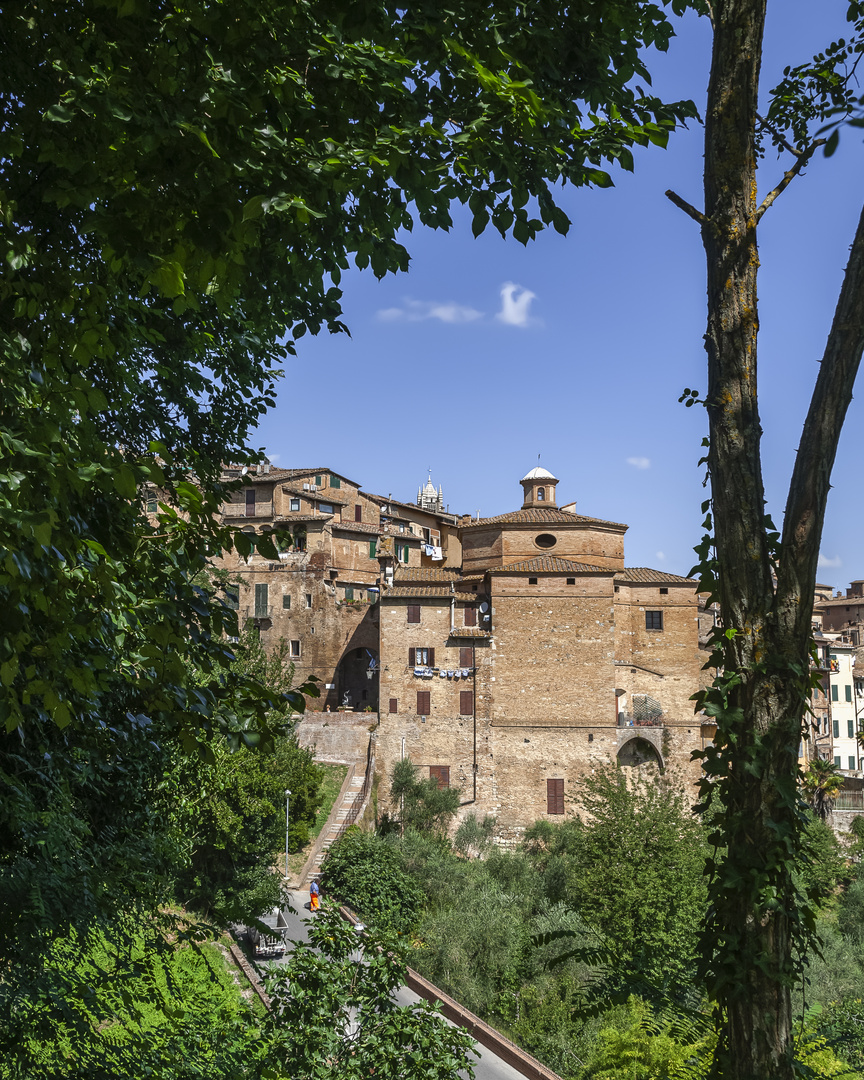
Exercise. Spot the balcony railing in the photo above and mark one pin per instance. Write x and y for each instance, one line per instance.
(849, 800)
(628, 720)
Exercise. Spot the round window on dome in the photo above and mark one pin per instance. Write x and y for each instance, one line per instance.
(545, 540)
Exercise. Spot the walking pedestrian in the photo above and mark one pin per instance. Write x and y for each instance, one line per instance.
(314, 895)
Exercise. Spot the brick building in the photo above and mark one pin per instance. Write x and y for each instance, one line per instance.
(509, 655)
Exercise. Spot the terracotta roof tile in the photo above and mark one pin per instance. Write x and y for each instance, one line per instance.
(648, 576)
(535, 516)
(424, 573)
(549, 564)
(399, 592)
(357, 526)
(318, 495)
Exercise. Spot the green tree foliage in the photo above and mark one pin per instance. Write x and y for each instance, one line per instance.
(365, 871)
(633, 869)
(422, 804)
(334, 1017)
(821, 783)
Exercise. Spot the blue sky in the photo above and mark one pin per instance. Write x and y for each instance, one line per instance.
(457, 367)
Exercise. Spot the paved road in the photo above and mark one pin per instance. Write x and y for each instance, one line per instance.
(489, 1067)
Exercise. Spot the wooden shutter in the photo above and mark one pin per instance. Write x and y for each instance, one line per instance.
(431, 660)
(414, 613)
(470, 616)
(373, 548)
(394, 705)
(423, 702)
(466, 702)
(554, 796)
(466, 656)
(412, 657)
(441, 773)
(250, 502)
(358, 512)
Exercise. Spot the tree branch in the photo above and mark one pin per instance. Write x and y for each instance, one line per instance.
(810, 484)
(779, 138)
(803, 157)
(689, 210)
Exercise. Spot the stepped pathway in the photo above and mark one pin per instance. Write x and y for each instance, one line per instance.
(336, 822)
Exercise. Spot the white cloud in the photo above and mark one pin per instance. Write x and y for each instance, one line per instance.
(419, 310)
(639, 462)
(515, 304)
(273, 458)
(835, 562)
(660, 556)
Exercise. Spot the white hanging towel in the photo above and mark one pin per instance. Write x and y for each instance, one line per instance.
(437, 554)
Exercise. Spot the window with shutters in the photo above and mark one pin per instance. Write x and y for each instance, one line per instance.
(358, 512)
(318, 481)
(837, 761)
(835, 692)
(653, 620)
(373, 548)
(394, 705)
(441, 773)
(554, 796)
(470, 616)
(466, 702)
(286, 602)
(850, 728)
(835, 724)
(424, 657)
(466, 657)
(423, 702)
(851, 761)
(250, 502)
(335, 482)
(414, 613)
(262, 605)
(848, 692)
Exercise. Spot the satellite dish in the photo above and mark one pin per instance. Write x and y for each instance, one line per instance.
(484, 607)
(244, 470)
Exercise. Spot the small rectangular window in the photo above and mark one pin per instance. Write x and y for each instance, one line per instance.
(466, 702)
(441, 773)
(851, 761)
(836, 726)
(335, 482)
(835, 692)
(423, 702)
(532, 580)
(394, 705)
(554, 796)
(286, 602)
(571, 580)
(421, 657)
(295, 648)
(653, 620)
(848, 692)
(373, 548)
(152, 504)
(664, 592)
(470, 616)
(294, 504)
(358, 512)
(326, 508)
(308, 599)
(250, 502)
(318, 480)
(261, 602)
(349, 592)
(466, 657)
(414, 613)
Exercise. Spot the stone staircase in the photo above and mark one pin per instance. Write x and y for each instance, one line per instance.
(337, 822)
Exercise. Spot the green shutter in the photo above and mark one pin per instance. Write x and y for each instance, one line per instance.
(335, 482)
(835, 696)
(318, 481)
(836, 726)
(848, 692)
(850, 725)
(373, 548)
(261, 602)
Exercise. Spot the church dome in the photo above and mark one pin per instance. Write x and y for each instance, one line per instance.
(537, 473)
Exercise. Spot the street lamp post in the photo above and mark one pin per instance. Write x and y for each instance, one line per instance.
(287, 807)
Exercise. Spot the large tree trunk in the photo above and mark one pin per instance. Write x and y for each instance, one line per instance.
(756, 920)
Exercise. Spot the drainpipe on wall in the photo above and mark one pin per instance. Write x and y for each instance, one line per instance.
(452, 607)
(474, 673)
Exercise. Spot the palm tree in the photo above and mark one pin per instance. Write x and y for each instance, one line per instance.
(821, 783)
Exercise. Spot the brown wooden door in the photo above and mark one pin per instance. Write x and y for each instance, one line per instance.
(466, 656)
(423, 702)
(466, 702)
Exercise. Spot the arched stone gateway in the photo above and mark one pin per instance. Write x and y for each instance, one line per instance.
(638, 750)
(357, 679)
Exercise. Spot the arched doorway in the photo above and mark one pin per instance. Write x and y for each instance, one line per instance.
(357, 679)
(639, 753)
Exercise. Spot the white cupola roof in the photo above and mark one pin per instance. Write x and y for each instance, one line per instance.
(538, 473)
